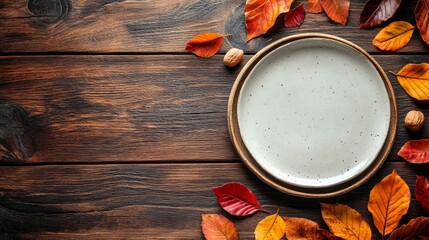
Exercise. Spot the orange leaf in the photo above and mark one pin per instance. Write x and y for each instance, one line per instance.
(388, 202)
(337, 10)
(394, 37)
(414, 79)
(270, 228)
(422, 18)
(218, 227)
(301, 228)
(205, 45)
(262, 14)
(314, 6)
(345, 222)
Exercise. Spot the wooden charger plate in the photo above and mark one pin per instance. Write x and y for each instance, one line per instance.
(312, 115)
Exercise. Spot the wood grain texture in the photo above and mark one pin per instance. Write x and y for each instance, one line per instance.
(141, 108)
(160, 115)
(159, 26)
(137, 201)
(121, 108)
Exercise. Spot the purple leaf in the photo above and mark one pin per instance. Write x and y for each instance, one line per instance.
(377, 12)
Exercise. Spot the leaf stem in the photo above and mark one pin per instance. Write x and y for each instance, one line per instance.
(393, 73)
(263, 210)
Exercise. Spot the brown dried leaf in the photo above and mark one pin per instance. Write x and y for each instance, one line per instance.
(415, 229)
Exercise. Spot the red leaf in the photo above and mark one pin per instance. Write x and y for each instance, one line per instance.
(422, 192)
(295, 17)
(314, 6)
(415, 151)
(415, 229)
(337, 10)
(422, 18)
(237, 200)
(262, 14)
(205, 45)
(377, 12)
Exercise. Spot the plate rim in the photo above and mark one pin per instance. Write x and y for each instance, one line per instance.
(310, 192)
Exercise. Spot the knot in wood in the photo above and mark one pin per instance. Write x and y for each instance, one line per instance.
(51, 10)
(16, 145)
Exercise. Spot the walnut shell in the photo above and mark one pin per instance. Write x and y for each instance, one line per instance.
(233, 57)
(414, 120)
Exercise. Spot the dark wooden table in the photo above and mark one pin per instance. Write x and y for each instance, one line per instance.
(124, 133)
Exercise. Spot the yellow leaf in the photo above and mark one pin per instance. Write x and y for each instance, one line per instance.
(414, 79)
(394, 37)
(270, 228)
(345, 222)
(388, 202)
(218, 227)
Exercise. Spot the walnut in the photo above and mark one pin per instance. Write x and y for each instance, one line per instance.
(414, 120)
(233, 57)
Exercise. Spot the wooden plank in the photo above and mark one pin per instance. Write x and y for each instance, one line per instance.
(128, 108)
(137, 201)
(139, 108)
(158, 26)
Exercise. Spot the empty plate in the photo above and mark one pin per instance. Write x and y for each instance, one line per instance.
(312, 115)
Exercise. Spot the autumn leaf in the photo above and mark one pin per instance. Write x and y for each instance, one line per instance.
(218, 227)
(301, 228)
(377, 12)
(415, 151)
(394, 36)
(422, 192)
(205, 45)
(388, 202)
(295, 17)
(237, 200)
(314, 6)
(414, 80)
(323, 234)
(270, 228)
(422, 18)
(345, 222)
(337, 10)
(417, 228)
(262, 14)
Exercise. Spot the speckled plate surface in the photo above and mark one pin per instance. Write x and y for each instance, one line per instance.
(312, 115)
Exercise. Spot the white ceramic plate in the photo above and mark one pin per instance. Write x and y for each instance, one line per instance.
(314, 112)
